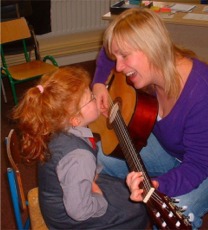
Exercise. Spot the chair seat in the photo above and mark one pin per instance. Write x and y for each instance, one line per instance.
(36, 219)
(30, 69)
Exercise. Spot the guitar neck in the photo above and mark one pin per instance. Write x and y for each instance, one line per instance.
(160, 207)
(133, 159)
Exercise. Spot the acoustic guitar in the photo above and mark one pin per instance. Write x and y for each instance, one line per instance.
(164, 213)
(139, 111)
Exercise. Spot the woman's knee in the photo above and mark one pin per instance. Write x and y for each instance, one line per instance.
(196, 204)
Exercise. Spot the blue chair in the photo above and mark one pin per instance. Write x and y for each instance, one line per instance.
(15, 201)
(20, 204)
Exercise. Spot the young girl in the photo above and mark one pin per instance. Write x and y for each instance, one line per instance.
(53, 118)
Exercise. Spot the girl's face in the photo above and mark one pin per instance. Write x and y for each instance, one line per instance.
(89, 111)
(134, 64)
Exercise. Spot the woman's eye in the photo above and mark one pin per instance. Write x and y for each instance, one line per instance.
(124, 55)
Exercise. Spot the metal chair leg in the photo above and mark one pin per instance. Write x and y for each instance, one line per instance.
(3, 91)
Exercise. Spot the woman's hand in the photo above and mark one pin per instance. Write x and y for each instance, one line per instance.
(102, 96)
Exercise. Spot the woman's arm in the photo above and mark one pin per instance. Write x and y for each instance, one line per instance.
(104, 65)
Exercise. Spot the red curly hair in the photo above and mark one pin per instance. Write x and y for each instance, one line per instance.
(43, 113)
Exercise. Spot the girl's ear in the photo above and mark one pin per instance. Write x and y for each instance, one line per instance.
(74, 121)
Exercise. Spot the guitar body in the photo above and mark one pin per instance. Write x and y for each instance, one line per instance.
(139, 111)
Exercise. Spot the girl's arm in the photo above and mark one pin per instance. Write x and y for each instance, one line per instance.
(82, 198)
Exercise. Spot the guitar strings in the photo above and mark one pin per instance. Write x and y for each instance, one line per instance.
(129, 147)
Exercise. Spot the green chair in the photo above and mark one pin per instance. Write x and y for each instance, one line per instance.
(17, 30)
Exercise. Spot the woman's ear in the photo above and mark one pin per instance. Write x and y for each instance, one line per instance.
(75, 121)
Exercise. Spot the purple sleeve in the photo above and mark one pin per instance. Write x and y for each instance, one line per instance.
(194, 167)
(184, 134)
(103, 67)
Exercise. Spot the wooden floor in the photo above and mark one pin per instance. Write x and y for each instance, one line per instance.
(28, 172)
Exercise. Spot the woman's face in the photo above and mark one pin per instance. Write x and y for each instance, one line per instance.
(134, 64)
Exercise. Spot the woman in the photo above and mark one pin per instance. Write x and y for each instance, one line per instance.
(176, 156)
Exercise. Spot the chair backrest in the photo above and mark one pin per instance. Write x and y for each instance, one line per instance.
(13, 153)
(15, 9)
(12, 10)
(14, 30)
(18, 37)
(14, 178)
(9, 11)
(13, 149)
(35, 220)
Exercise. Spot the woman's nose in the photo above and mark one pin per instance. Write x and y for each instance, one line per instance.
(119, 66)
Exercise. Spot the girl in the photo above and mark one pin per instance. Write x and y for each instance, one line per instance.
(53, 118)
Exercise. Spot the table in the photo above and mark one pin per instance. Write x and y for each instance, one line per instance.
(190, 33)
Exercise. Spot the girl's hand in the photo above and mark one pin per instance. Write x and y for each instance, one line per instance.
(96, 188)
(133, 181)
(101, 94)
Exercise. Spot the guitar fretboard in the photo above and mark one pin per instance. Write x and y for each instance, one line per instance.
(133, 159)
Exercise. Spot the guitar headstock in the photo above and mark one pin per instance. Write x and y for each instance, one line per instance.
(165, 213)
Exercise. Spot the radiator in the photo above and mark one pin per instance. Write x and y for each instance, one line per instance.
(77, 28)
(75, 16)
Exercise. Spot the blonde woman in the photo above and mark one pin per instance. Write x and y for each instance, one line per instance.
(138, 44)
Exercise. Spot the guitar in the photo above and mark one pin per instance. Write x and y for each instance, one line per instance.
(164, 213)
(135, 106)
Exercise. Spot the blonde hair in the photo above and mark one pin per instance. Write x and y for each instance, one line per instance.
(144, 30)
(46, 109)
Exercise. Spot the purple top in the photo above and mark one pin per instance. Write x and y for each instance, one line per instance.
(104, 65)
(183, 133)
